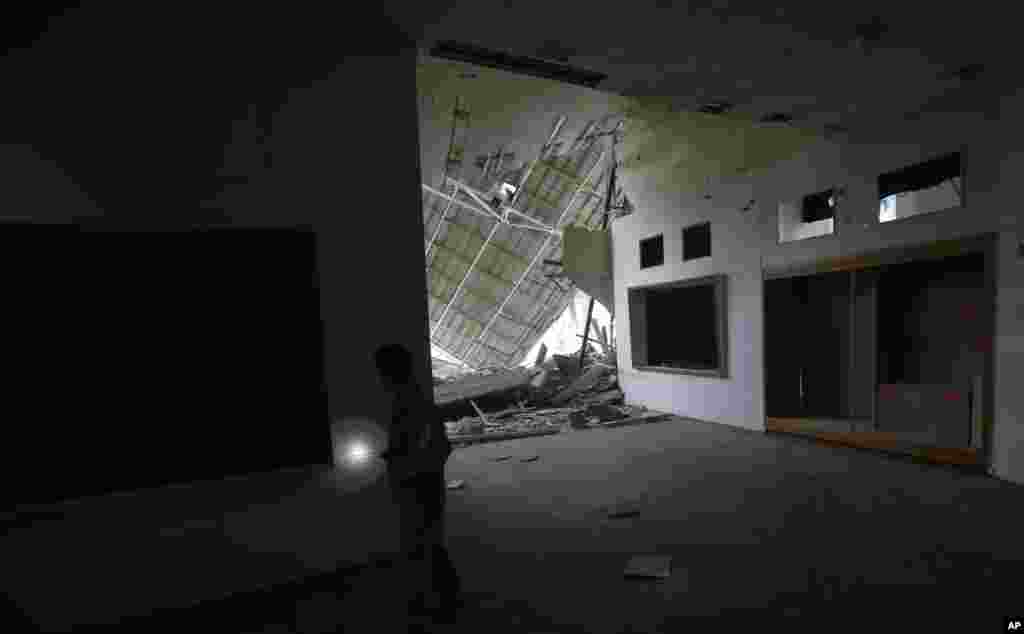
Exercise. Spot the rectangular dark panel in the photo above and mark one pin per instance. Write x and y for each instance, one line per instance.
(652, 251)
(136, 359)
(697, 241)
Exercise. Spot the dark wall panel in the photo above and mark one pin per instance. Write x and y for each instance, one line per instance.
(133, 360)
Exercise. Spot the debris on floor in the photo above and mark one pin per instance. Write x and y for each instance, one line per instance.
(553, 396)
(530, 459)
(649, 566)
(455, 484)
(503, 458)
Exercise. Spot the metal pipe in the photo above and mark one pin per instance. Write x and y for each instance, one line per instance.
(473, 208)
(465, 277)
(529, 218)
(557, 234)
(440, 223)
(451, 140)
(540, 252)
(476, 197)
(604, 226)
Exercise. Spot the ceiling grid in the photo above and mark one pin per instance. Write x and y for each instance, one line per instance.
(489, 299)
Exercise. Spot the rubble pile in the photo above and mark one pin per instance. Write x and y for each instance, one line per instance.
(555, 396)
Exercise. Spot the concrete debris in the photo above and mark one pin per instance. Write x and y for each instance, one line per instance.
(585, 382)
(649, 566)
(551, 397)
(604, 412)
(541, 354)
(539, 380)
(485, 382)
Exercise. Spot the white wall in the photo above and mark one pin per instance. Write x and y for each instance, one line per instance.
(738, 399)
(745, 244)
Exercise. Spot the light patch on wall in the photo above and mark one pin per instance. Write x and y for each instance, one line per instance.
(668, 149)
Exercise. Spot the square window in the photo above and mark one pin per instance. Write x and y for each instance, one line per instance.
(811, 216)
(652, 252)
(922, 188)
(697, 241)
(681, 326)
(820, 206)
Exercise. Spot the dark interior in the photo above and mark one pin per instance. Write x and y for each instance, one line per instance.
(136, 359)
(920, 175)
(931, 320)
(652, 252)
(815, 207)
(682, 327)
(697, 241)
(832, 338)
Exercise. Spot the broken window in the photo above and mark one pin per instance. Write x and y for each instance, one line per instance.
(813, 216)
(680, 326)
(697, 241)
(820, 206)
(652, 251)
(923, 188)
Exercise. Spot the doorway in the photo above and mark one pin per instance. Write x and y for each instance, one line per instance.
(889, 351)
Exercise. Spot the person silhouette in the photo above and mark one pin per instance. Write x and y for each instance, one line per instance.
(418, 449)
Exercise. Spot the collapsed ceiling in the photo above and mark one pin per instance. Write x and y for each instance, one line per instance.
(490, 294)
(501, 183)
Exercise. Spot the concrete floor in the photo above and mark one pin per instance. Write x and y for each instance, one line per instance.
(758, 526)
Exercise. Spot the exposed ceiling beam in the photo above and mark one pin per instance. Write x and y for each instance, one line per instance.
(543, 249)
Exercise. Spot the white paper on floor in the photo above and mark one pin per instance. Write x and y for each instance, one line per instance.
(649, 566)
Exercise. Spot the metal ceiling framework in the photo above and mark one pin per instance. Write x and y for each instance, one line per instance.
(490, 312)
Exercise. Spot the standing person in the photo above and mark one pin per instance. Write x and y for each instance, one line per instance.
(417, 451)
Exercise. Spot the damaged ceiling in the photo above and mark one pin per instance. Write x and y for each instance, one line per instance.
(490, 293)
(707, 91)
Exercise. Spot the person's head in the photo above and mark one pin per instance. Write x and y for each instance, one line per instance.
(394, 364)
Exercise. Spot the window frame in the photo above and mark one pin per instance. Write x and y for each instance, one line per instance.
(660, 236)
(707, 224)
(637, 306)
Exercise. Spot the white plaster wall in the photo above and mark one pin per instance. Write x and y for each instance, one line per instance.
(745, 244)
(735, 400)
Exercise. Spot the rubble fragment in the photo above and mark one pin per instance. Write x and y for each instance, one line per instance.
(649, 566)
(623, 510)
(551, 397)
(586, 381)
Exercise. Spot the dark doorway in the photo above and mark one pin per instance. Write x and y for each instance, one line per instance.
(898, 351)
(817, 327)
